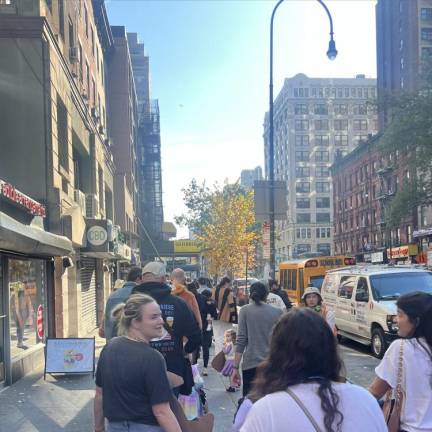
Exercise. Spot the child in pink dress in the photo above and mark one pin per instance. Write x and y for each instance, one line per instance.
(229, 351)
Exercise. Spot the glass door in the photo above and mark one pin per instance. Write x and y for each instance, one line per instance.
(3, 322)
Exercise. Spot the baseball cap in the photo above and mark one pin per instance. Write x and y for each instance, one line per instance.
(155, 267)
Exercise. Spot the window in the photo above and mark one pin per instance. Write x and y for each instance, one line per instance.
(321, 92)
(362, 292)
(341, 109)
(61, 18)
(322, 202)
(322, 140)
(360, 92)
(426, 52)
(357, 139)
(62, 134)
(302, 140)
(92, 41)
(303, 233)
(341, 124)
(360, 124)
(94, 92)
(302, 156)
(322, 171)
(324, 248)
(301, 125)
(341, 140)
(71, 34)
(303, 248)
(86, 21)
(426, 14)
(339, 92)
(323, 233)
(301, 109)
(346, 92)
(346, 286)
(303, 218)
(303, 187)
(302, 171)
(322, 187)
(321, 124)
(323, 217)
(80, 65)
(321, 109)
(359, 109)
(426, 34)
(322, 156)
(303, 203)
(27, 285)
(88, 80)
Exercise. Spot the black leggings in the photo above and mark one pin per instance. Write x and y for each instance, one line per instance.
(206, 344)
(248, 377)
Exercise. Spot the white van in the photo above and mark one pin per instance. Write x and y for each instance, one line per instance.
(363, 299)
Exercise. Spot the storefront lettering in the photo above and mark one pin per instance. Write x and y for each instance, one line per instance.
(97, 235)
(9, 192)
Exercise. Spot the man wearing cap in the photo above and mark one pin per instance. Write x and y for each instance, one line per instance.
(179, 321)
(118, 296)
(312, 299)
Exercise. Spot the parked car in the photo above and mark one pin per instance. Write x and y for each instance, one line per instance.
(363, 299)
(241, 290)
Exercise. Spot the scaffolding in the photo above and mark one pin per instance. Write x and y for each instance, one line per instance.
(150, 171)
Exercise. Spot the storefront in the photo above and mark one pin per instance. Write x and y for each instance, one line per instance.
(403, 254)
(27, 254)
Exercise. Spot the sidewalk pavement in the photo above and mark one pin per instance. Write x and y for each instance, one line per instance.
(65, 403)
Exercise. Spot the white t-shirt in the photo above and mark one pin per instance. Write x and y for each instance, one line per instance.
(276, 301)
(416, 415)
(279, 412)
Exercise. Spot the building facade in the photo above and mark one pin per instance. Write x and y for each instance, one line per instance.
(315, 119)
(248, 177)
(404, 41)
(53, 126)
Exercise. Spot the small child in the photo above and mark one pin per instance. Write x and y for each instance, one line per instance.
(229, 351)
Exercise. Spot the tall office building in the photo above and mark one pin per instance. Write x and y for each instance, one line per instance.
(315, 119)
(248, 177)
(404, 41)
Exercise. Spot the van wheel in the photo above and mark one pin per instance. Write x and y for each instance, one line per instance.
(378, 345)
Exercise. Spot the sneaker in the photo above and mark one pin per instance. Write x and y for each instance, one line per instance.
(205, 372)
(231, 389)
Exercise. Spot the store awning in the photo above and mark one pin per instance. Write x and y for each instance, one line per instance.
(32, 240)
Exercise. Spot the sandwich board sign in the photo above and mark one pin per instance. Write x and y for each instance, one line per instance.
(70, 356)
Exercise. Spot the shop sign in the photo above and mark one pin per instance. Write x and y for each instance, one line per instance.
(266, 240)
(402, 251)
(39, 322)
(14, 195)
(377, 257)
(186, 246)
(367, 257)
(97, 235)
(429, 258)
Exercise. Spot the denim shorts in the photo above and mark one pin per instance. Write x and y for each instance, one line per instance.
(129, 426)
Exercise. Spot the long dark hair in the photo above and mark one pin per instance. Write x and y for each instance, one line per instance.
(302, 349)
(222, 282)
(418, 306)
(258, 292)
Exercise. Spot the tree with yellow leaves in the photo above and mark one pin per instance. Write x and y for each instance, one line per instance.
(223, 220)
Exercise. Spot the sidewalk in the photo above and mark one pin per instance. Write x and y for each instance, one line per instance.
(65, 403)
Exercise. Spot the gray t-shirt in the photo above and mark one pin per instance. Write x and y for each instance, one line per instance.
(254, 332)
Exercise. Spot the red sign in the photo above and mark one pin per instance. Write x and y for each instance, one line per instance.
(39, 322)
(32, 206)
(266, 240)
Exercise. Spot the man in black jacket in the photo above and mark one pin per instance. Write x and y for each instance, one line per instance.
(179, 320)
(275, 289)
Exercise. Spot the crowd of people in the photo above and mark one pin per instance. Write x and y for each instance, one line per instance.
(292, 376)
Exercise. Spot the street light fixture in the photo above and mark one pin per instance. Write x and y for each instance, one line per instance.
(331, 54)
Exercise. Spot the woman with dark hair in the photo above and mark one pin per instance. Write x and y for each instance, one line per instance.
(256, 321)
(227, 311)
(414, 319)
(299, 384)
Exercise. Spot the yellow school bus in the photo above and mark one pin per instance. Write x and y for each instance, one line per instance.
(296, 275)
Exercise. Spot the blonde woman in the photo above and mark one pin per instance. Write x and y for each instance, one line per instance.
(132, 388)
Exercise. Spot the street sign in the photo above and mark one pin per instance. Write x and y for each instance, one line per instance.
(262, 197)
(186, 246)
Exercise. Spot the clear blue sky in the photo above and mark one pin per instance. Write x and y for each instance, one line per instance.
(209, 70)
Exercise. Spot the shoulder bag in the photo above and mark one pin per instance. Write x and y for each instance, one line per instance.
(218, 361)
(304, 409)
(392, 406)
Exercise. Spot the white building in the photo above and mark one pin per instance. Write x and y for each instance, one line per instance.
(315, 118)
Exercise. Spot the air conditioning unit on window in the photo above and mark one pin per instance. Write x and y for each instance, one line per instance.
(74, 54)
(101, 130)
(92, 205)
(80, 199)
(108, 142)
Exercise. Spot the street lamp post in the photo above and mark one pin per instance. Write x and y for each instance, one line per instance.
(331, 54)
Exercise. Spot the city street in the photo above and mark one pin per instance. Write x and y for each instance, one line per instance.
(65, 402)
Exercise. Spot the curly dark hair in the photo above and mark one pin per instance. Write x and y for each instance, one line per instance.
(302, 349)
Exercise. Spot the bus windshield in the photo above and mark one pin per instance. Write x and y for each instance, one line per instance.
(391, 286)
